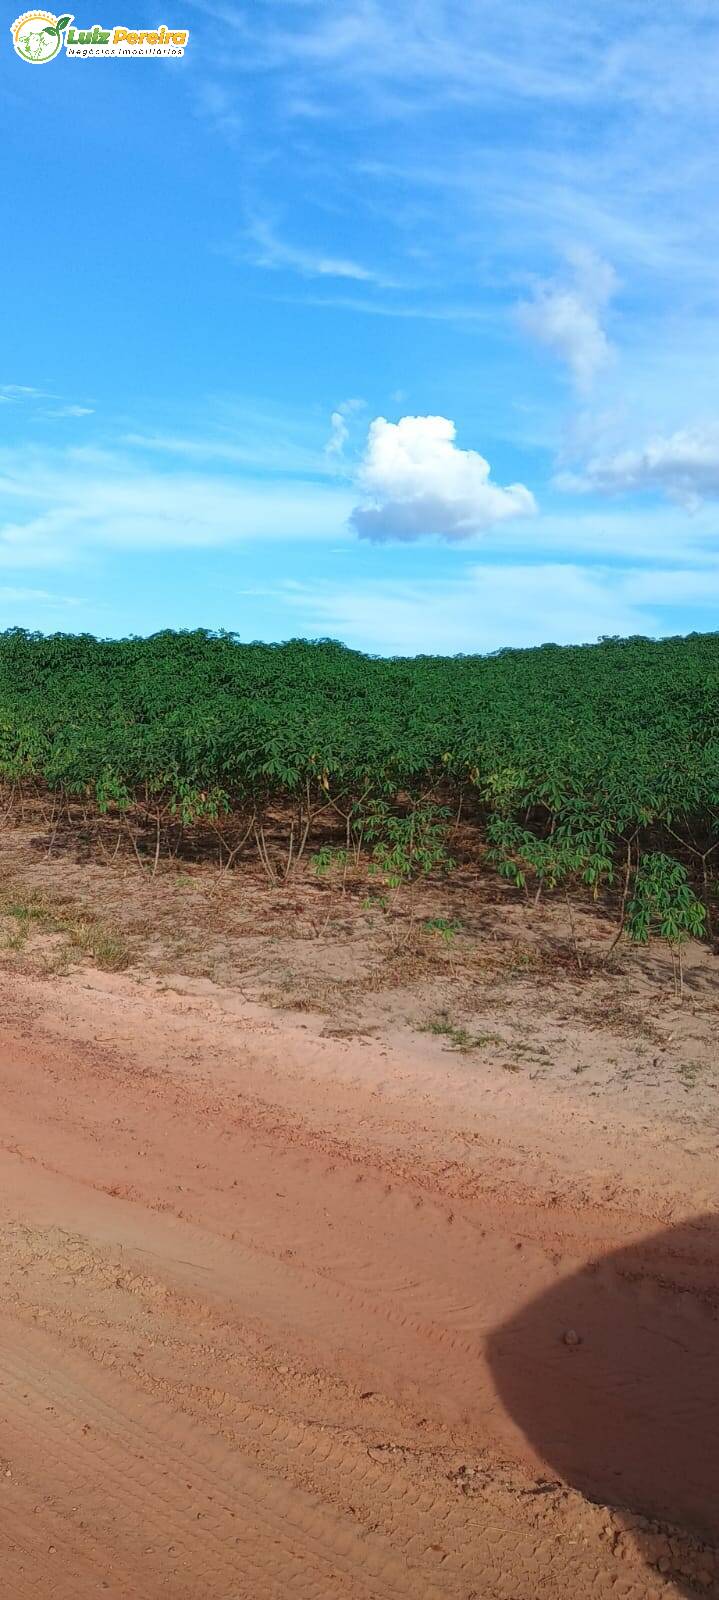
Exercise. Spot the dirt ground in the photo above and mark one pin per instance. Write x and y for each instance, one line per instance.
(350, 1251)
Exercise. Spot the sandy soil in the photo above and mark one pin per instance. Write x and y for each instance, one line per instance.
(290, 1308)
(350, 1250)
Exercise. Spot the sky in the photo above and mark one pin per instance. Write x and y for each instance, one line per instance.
(395, 323)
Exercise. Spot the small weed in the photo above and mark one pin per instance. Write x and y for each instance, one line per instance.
(690, 1072)
(27, 913)
(111, 953)
(33, 913)
(30, 908)
(522, 959)
(459, 1038)
(446, 930)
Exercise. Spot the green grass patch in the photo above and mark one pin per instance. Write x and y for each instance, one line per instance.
(32, 913)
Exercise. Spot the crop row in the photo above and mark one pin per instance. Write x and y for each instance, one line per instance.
(598, 763)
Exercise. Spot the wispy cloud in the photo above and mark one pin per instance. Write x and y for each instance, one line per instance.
(275, 253)
(485, 607)
(21, 391)
(261, 447)
(339, 434)
(359, 53)
(646, 534)
(71, 411)
(25, 395)
(403, 310)
(490, 140)
(412, 173)
(339, 430)
(566, 316)
(55, 505)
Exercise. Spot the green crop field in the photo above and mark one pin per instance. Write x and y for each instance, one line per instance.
(595, 764)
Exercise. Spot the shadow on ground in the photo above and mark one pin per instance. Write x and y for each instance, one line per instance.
(613, 1377)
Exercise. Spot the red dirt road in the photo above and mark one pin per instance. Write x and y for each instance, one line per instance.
(292, 1316)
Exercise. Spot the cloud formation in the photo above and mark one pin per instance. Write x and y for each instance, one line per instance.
(488, 606)
(505, 49)
(339, 434)
(23, 394)
(684, 464)
(416, 482)
(72, 411)
(21, 391)
(339, 431)
(273, 252)
(566, 317)
(56, 504)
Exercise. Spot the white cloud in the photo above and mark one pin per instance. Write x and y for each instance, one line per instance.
(416, 482)
(19, 389)
(400, 310)
(339, 434)
(510, 129)
(53, 505)
(487, 607)
(260, 435)
(72, 411)
(684, 464)
(566, 317)
(24, 394)
(273, 252)
(339, 431)
(643, 532)
(367, 58)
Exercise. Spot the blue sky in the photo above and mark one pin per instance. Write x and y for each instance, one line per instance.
(390, 322)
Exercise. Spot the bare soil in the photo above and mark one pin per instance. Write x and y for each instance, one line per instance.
(350, 1250)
